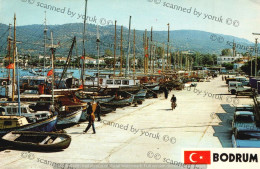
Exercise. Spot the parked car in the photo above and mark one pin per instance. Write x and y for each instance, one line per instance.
(244, 108)
(244, 119)
(235, 87)
(246, 138)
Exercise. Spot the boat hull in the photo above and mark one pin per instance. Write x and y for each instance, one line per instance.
(23, 145)
(47, 125)
(71, 118)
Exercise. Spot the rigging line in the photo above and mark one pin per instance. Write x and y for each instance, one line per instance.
(4, 33)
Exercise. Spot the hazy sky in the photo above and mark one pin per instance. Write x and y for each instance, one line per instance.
(231, 17)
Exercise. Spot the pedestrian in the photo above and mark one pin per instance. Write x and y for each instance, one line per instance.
(225, 78)
(166, 93)
(222, 78)
(98, 111)
(91, 119)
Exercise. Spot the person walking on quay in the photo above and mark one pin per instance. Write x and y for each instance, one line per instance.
(166, 93)
(91, 119)
(222, 78)
(98, 111)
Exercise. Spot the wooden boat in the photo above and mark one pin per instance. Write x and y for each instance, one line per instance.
(65, 118)
(45, 141)
(11, 109)
(20, 123)
(101, 99)
(120, 102)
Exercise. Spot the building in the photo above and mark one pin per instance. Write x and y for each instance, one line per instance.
(228, 59)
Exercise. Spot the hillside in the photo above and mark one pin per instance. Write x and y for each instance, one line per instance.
(32, 39)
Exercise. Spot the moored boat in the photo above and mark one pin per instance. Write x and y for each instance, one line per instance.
(45, 141)
(20, 123)
(65, 118)
(120, 102)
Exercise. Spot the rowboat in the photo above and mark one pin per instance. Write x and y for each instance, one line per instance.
(20, 123)
(45, 141)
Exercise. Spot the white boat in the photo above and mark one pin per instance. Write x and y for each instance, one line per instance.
(70, 118)
(11, 109)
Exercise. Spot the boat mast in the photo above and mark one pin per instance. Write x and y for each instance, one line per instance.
(115, 52)
(151, 50)
(134, 56)
(163, 62)
(84, 49)
(128, 51)
(121, 51)
(168, 46)
(9, 49)
(145, 51)
(14, 54)
(45, 39)
(52, 66)
(18, 84)
(98, 41)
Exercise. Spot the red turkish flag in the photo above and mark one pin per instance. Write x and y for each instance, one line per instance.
(82, 57)
(159, 71)
(197, 157)
(146, 55)
(10, 66)
(50, 73)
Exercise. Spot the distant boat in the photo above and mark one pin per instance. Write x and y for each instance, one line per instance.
(102, 99)
(120, 102)
(45, 141)
(20, 123)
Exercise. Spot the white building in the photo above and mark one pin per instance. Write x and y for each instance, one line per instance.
(228, 59)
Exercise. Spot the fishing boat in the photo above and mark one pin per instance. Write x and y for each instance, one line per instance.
(101, 99)
(65, 118)
(11, 109)
(120, 102)
(44, 141)
(20, 123)
(140, 95)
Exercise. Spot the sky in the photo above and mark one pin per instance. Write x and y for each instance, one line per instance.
(238, 18)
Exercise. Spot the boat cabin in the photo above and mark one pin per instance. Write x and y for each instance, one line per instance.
(12, 121)
(12, 110)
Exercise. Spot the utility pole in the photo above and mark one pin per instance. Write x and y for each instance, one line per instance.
(256, 52)
(115, 52)
(14, 55)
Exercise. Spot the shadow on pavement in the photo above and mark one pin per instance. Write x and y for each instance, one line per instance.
(224, 130)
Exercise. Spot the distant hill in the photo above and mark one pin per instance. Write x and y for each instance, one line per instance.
(32, 39)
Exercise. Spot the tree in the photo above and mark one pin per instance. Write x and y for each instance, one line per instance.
(109, 62)
(228, 66)
(226, 52)
(247, 66)
(108, 52)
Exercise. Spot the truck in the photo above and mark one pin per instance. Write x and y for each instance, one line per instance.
(235, 87)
